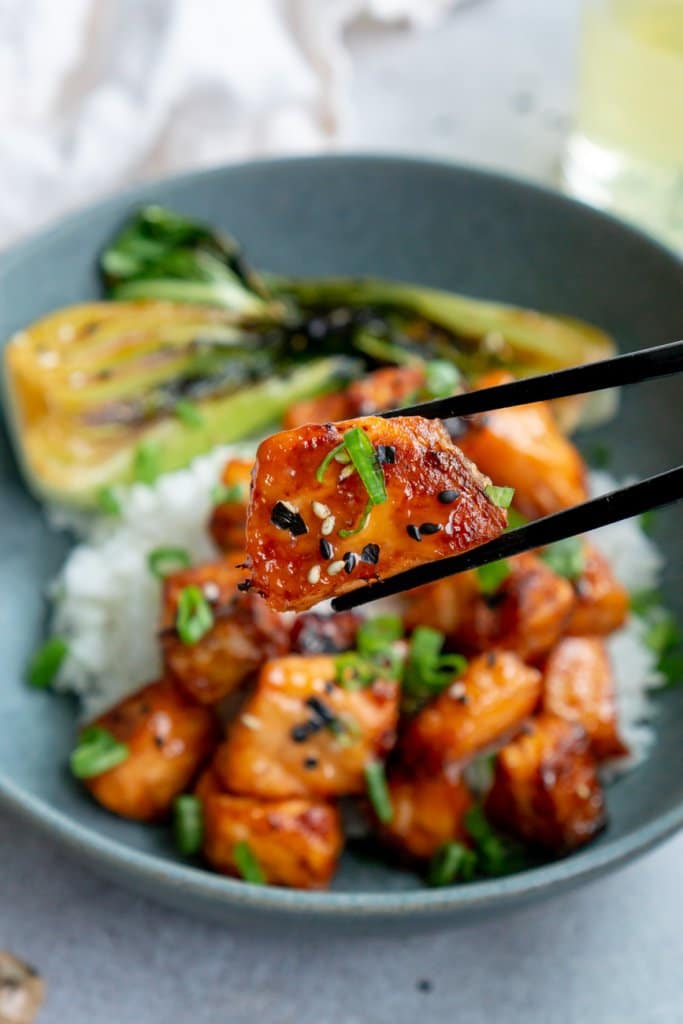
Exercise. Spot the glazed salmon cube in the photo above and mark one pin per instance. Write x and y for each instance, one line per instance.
(295, 843)
(546, 788)
(601, 602)
(428, 811)
(491, 699)
(388, 388)
(227, 524)
(524, 447)
(243, 632)
(312, 534)
(323, 409)
(527, 613)
(302, 734)
(168, 737)
(578, 685)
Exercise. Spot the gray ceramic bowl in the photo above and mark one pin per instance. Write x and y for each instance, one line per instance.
(438, 224)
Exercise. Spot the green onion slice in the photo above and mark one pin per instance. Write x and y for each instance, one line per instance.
(163, 561)
(223, 493)
(189, 414)
(247, 864)
(452, 862)
(492, 576)
(188, 824)
(427, 671)
(97, 751)
(147, 464)
(362, 522)
(354, 672)
(194, 617)
(376, 635)
(108, 502)
(364, 457)
(500, 496)
(496, 854)
(566, 557)
(442, 378)
(45, 663)
(323, 467)
(378, 791)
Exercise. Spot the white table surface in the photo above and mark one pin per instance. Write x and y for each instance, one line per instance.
(492, 86)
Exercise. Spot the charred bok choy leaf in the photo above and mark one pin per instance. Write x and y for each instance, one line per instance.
(94, 389)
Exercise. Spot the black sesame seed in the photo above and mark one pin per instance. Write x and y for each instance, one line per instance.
(329, 686)
(370, 553)
(448, 497)
(285, 519)
(350, 559)
(326, 549)
(310, 763)
(386, 454)
(159, 742)
(319, 708)
(427, 528)
(491, 659)
(244, 585)
(303, 730)
(413, 532)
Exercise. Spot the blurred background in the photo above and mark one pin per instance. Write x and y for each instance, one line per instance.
(587, 94)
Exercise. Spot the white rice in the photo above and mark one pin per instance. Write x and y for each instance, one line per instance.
(106, 602)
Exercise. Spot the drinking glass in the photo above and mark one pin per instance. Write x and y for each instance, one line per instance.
(626, 151)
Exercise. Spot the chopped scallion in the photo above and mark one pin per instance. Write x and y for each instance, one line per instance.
(452, 862)
(375, 635)
(247, 864)
(441, 378)
(147, 464)
(362, 522)
(364, 457)
(188, 824)
(427, 672)
(354, 672)
(97, 751)
(500, 496)
(194, 617)
(189, 414)
(45, 663)
(566, 557)
(227, 493)
(108, 501)
(647, 521)
(163, 561)
(322, 468)
(378, 791)
(490, 577)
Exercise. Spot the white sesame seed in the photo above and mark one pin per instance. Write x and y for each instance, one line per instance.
(251, 721)
(335, 567)
(328, 526)
(314, 574)
(48, 359)
(342, 457)
(66, 332)
(347, 471)
(211, 591)
(320, 510)
(457, 691)
(583, 791)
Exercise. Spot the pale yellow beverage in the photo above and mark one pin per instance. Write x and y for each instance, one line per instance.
(627, 151)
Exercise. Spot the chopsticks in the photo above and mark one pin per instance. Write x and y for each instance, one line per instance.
(625, 503)
(654, 492)
(629, 368)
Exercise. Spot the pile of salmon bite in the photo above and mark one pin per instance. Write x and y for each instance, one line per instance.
(467, 721)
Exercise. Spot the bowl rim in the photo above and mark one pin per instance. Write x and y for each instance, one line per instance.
(116, 857)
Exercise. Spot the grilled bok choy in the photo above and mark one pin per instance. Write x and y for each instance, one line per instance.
(196, 348)
(113, 392)
(160, 254)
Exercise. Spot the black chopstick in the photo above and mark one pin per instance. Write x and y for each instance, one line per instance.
(630, 368)
(663, 489)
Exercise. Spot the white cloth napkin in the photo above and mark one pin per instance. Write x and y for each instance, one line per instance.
(94, 93)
